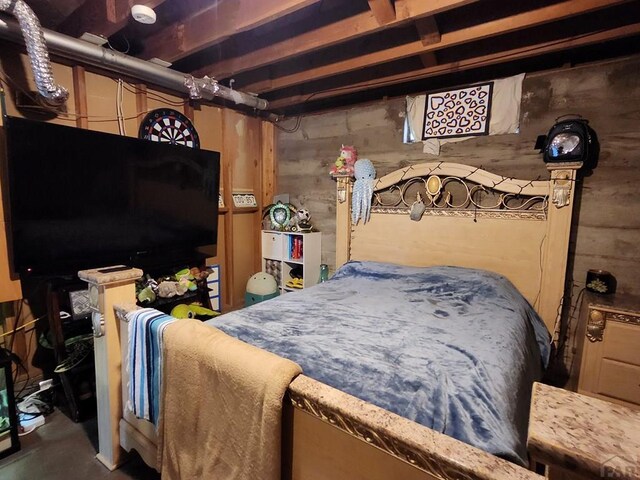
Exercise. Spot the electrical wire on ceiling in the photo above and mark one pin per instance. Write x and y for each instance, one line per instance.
(294, 129)
(116, 50)
(132, 88)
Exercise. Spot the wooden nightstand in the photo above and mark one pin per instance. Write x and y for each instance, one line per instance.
(610, 348)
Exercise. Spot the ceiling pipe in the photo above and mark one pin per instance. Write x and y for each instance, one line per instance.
(90, 54)
(31, 32)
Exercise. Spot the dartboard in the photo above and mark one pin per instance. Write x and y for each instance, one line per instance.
(168, 126)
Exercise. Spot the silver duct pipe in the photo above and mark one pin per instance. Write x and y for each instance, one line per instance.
(32, 33)
(88, 53)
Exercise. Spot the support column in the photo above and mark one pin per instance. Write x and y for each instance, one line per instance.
(343, 218)
(556, 244)
(108, 287)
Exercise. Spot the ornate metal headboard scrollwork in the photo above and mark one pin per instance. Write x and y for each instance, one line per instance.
(447, 195)
(470, 218)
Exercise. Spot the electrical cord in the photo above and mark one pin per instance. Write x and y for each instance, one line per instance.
(18, 316)
(289, 130)
(23, 326)
(132, 88)
(26, 370)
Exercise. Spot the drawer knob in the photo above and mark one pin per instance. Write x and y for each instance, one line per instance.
(595, 326)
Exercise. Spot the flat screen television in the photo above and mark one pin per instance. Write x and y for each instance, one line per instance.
(81, 199)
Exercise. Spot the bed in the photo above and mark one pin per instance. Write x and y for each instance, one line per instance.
(493, 233)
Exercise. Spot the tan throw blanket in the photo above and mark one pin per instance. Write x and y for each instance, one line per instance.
(221, 406)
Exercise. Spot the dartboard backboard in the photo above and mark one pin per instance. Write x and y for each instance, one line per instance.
(166, 125)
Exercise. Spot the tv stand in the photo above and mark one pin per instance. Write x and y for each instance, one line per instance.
(72, 347)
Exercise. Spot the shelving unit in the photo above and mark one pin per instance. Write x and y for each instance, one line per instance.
(77, 396)
(287, 254)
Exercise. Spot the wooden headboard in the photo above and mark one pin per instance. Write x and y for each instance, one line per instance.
(473, 218)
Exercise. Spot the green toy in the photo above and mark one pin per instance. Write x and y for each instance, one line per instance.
(191, 311)
(146, 295)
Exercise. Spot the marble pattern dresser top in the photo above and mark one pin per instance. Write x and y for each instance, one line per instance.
(584, 435)
(107, 275)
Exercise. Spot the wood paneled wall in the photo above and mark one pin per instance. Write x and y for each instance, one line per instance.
(607, 223)
(93, 104)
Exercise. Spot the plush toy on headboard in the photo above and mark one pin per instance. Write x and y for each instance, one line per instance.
(345, 161)
(365, 174)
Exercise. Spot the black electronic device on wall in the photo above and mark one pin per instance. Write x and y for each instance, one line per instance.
(569, 140)
(77, 199)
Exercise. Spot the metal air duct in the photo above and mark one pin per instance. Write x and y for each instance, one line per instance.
(31, 31)
(90, 54)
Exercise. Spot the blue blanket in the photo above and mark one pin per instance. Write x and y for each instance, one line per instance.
(454, 349)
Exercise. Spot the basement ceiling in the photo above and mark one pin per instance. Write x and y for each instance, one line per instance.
(307, 55)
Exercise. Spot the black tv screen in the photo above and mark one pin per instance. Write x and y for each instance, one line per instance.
(81, 199)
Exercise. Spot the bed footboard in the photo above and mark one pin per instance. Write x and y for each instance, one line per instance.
(328, 431)
(347, 438)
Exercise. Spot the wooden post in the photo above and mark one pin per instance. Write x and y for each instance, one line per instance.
(556, 244)
(106, 289)
(343, 219)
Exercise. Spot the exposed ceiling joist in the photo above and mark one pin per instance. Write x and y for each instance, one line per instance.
(428, 30)
(105, 17)
(326, 36)
(217, 23)
(383, 10)
(476, 62)
(555, 12)
(429, 59)
(306, 55)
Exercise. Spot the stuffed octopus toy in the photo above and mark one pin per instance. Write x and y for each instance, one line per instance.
(365, 175)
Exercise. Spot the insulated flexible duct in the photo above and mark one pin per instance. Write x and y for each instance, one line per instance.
(90, 54)
(37, 50)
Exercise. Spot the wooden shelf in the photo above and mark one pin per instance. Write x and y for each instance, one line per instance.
(245, 209)
(276, 251)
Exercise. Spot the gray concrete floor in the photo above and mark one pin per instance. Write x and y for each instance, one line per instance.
(62, 449)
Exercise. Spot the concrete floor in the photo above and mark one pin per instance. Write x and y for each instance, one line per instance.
(61, 449)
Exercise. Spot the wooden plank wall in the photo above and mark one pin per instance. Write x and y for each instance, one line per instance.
(607, 224)
(92, 104)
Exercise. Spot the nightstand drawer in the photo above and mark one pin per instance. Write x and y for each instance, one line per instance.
(622, 343)
(619, 380)
(610, 364)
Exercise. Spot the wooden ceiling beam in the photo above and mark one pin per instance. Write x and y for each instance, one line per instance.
(429, 59)
(428, 30)
(217, 23)
(101, 17)
(501, 26)
(476, 62)
(429, 34)
(383, 10)
(326, 36)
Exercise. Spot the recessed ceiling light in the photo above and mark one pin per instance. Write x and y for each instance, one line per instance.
(143, 14)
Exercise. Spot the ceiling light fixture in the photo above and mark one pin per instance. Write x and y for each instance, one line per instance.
(143, 14)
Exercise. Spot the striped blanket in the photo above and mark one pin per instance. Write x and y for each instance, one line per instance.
(144, 362)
